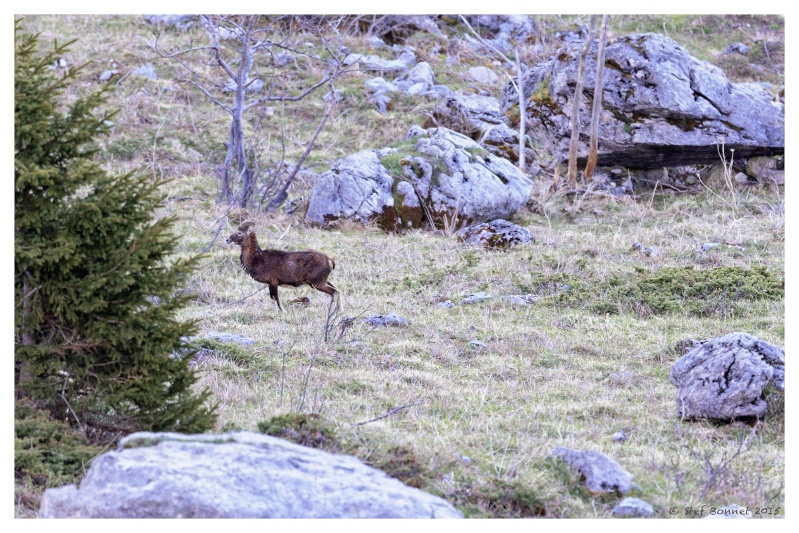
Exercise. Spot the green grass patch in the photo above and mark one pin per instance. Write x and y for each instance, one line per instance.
(230, 351)
(693, 291)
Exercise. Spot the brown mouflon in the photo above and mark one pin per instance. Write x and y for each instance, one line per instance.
(278, 268)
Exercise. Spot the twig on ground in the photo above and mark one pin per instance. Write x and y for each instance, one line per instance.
(396, 409)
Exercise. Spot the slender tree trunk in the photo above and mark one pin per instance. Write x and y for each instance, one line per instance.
(571, 175)
(245, 174)
(522, 110)
(28, 338)
(597, 109)
(225, 193)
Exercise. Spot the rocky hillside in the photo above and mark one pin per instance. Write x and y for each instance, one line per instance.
(510, 343)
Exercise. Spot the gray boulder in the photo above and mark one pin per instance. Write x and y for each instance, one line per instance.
(498, 233)
(443, 178)
(661, 107)
(724, 378)
(234, 475)
(601, 473)
(633, 507)
(479, 118)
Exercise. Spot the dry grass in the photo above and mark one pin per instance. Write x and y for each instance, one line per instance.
(551, 373)
(554, 373)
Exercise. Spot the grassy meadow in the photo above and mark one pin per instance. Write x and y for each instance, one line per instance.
(472, 422)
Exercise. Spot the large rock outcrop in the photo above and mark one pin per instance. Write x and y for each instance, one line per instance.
(436, 176)
(723, 378)
(661, 106)
(234, 475)
(479, 118)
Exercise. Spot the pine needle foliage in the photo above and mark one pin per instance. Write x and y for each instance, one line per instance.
(97, 285)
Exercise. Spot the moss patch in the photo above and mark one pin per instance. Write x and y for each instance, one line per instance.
(304, 429)
(697, 292)
(541, 94)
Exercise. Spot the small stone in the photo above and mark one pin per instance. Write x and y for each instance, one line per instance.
(334, 95)
(282, 59)
(638, 246)
(108, 74)
(602, 474)
(483, 75)
(407, 57)
(417, 88)
(523, 299)
(390, 319)
(378, 84)
(446, 304)
(254, 86)
(376, 42)
(633, 507)
(146, 71)
(477, 344)
(242, 340)
(709, 246)
(737, 48)
(496, 234)
(620, 436)
(476, 297)
(465, 459)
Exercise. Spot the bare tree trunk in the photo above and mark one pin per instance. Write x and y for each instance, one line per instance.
(235, 42)
(522, 125)
(245, 173)
(571, 175)
(597, 109)
(225, 193)
(27, 336)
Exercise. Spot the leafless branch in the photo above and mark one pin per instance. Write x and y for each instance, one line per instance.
(308, 148)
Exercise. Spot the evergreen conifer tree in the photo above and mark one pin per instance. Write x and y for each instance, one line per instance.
(97, 284)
